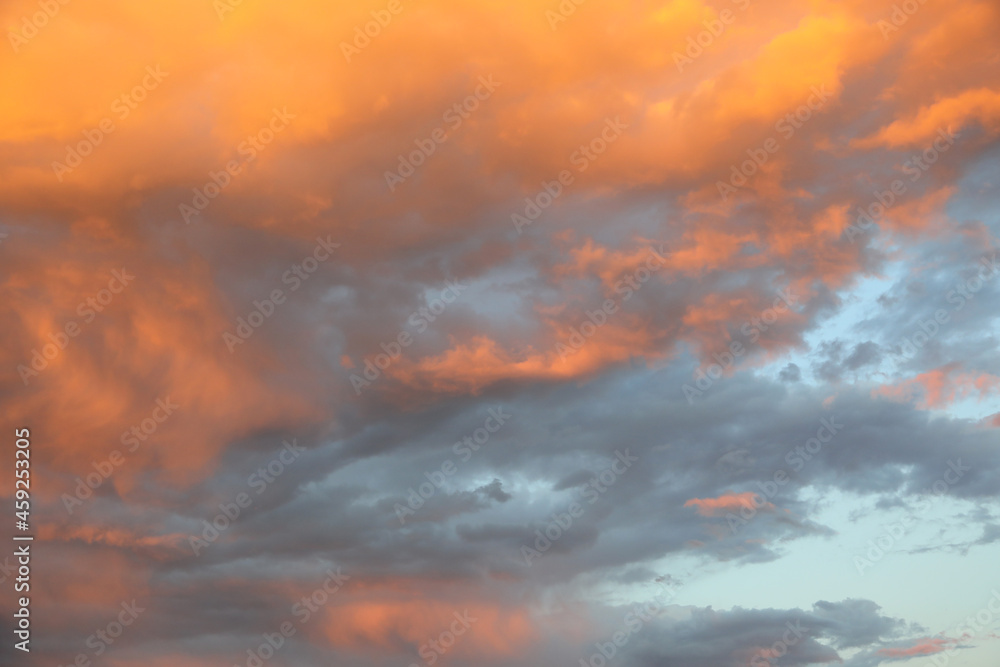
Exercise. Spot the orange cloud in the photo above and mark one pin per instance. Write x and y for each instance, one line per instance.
(726, 503)
(941, 387)
(223, 77)
(981, 106)
(486, 629)
(928, 646)
(158, 547)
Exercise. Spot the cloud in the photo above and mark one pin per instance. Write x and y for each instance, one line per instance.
(725, 504)
(734, 181)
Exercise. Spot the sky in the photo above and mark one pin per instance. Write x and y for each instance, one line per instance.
(641, 334)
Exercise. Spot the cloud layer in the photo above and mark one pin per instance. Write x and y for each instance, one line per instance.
(458, 332)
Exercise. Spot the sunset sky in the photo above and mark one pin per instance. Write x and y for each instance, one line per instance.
(422, 332)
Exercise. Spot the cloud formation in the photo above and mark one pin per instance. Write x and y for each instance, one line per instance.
(789, 207)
